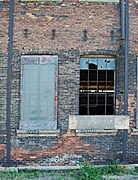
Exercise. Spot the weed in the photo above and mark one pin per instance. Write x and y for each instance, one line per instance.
(114, 168)
(88, 172)
(19, 175)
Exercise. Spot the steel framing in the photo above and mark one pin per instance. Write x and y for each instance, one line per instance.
(9, 75)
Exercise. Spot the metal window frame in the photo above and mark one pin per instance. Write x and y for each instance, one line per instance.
(88, 93)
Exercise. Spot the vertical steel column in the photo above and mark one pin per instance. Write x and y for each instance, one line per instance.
(125, 131)
(126, 57)
(137, 99)
(122, 9)
(9, 75)
(88, 103)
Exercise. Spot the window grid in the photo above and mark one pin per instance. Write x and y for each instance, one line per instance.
(97, 86)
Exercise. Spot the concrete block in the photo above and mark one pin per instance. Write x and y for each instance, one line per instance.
(99, 122)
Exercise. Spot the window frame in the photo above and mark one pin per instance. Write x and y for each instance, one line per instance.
(106, 93)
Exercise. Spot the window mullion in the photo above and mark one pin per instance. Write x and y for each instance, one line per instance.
(88, 103)
(97, 90)
(106, 90)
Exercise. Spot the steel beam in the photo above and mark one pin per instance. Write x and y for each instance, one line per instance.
(9, 75)
(125, 131)
(122, 14)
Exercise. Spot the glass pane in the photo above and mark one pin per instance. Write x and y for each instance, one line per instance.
(101, 99)
(98, 110)
(101, 75)
(102, 63)
(93, 99)
(83, 98)
(83, 110)
(83, 75)
(83, 79)
(110, 110)
(92, 63)
(110, 63)
(110, 85)
(92, 75)
(83, 63)
(93, 85)
(110, 99)
(83, 85)
(110, 75)
(101, 85)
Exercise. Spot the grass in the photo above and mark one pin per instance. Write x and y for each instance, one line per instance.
(87, 171)
(20, 175)
(90, 172)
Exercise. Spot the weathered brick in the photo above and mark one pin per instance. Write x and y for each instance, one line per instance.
(80, 29)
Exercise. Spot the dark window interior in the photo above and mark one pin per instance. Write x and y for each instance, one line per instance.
(97, 86)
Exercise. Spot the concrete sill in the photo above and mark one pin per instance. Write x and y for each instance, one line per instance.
(38, 133)
(135, 130)
(98, 122)
(95, 131)
(90, 132)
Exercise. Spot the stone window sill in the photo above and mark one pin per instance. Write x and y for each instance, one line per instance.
(135, 130)
(98, 122)
(88, 132)
(38, 133)
(95, 131)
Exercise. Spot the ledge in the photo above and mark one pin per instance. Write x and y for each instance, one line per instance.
(38, 132)
(95, 131)
(90, 132)
(98, 122)
(135, 130)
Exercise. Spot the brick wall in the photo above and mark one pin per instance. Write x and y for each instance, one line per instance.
(69, 23)
(4, 16)
(71, 149)
(34, 23)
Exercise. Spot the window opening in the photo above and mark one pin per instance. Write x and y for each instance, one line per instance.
(97, 86)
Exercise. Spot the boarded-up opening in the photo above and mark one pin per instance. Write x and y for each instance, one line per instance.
(39, 93)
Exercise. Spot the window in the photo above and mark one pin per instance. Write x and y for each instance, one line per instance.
(97, 86)
(39, 92)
